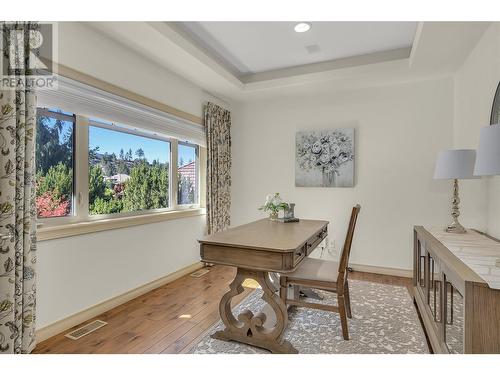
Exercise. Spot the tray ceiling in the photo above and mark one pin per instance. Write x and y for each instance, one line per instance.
(255, 47)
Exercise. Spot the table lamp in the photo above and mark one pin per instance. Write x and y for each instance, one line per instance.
(488, 152)
(454, 165)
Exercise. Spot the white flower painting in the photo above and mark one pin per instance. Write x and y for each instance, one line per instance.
(324, 158)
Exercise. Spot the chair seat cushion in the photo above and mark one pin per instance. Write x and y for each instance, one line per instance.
(316, 270)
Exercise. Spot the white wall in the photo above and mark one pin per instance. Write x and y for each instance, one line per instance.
(89, 51)
(399, 130)
(475, 85)
(77, 272)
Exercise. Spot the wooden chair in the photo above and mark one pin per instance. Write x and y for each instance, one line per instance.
(324, 275)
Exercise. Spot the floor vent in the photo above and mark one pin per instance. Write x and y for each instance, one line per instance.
(85, 330)
(200, 273)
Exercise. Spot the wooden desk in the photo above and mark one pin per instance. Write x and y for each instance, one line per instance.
(257, 249)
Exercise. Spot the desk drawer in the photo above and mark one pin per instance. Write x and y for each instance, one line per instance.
(247, 258)
(315, 241)
(299, 254)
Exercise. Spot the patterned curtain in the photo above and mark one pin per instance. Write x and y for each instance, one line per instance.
(17, 200)
(218, 128)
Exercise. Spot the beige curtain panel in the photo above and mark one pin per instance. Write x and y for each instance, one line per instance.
(17, 197)
(218, 128)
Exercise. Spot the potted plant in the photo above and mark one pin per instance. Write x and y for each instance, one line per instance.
(273, 204)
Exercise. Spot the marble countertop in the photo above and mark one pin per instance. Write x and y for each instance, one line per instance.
(478, 252)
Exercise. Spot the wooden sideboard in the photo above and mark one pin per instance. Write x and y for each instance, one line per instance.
(456, 278)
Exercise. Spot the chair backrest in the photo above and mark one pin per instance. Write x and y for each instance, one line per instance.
(344, 258)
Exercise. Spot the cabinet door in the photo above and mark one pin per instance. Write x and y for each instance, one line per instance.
(420, 267)
(454, 319)
(434, 290)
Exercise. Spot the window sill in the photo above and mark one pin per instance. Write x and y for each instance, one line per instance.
(76, 229)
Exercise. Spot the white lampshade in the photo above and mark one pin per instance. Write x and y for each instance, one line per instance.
(453, 164)
(488, 152)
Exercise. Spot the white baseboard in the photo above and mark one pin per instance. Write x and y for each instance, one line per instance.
(382, 270)
(62, 325)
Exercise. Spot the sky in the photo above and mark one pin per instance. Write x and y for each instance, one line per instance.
(112, 141)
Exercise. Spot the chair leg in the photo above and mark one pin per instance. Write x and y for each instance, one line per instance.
(347, 300)
(343, 317)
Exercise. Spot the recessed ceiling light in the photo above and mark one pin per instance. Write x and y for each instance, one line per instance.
(302, 27)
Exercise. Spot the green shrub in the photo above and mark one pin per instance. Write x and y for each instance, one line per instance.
(102, 206)
(147, 188)
(58, 181)
(97, 185)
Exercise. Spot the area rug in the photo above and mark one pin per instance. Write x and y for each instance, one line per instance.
(384, 321)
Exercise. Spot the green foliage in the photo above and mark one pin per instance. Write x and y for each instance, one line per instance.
(274, 203)
(58, 181)
(97, 185)
(54, 166)
(52, 147)
(101, 199)
(122, 167)
(108, 164)
(93, 159)
(147, 188)
(104, 206)
(140, 153)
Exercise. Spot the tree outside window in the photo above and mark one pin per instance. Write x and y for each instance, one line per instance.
(54, 163)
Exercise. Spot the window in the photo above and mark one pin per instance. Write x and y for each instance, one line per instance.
(54, 163)
(187, 174)
(127, 172)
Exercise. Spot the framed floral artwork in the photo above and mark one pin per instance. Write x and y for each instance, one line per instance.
(324, 158)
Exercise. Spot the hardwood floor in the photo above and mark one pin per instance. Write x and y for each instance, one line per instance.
(170, 319)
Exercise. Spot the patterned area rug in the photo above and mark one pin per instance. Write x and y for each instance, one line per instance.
(384, 321)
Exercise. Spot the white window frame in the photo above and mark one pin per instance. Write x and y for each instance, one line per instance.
(80, 199)
(198, 178)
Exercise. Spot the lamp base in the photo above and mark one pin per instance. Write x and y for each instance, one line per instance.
(455, 227)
